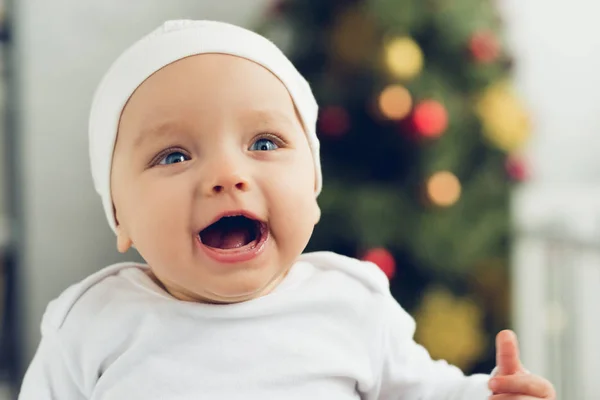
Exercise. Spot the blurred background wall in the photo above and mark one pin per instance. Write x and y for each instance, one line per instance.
(556, 263)
(59, 49)
(555, 47)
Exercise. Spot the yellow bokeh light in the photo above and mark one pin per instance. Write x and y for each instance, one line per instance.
(450, 327)
(404, 58)
(505, 121)
(395, 102)
(443, 189)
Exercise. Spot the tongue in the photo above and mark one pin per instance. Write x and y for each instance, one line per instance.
(227, 239)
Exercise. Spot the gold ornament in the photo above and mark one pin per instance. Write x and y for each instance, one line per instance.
(404, 58)
(504, 119)
(354, 37)
(443, 189)
(450, 328)
(395, 102)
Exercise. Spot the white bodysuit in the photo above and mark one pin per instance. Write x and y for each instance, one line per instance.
(331, 330)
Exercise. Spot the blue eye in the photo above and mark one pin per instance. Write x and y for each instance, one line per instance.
(263, 145)
(174, 158)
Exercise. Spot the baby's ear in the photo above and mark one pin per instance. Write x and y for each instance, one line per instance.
(124, 242)
(317, 212)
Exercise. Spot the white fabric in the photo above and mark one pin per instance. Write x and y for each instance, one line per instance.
(170, 42)
(330, 331)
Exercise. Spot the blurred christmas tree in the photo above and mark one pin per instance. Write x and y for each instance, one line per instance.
(419, 131)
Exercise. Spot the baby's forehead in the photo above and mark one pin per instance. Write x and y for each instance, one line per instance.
(207, 80)
(209, 91)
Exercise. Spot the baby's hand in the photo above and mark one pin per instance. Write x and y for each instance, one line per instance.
(512, 381)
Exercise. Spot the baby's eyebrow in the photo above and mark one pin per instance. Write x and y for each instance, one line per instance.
(266, 116)
(166, 128)
(170, 128)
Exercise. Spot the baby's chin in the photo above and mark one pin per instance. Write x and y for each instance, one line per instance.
(229, 298)
(229, 291)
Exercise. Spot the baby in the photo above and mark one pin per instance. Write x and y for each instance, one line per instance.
(204, 152)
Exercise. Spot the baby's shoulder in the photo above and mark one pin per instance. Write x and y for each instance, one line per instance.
(90, 296)
(355, 292)
(349, 272)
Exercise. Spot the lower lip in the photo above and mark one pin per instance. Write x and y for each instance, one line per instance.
(242, 254)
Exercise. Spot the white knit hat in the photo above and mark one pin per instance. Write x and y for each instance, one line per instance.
(173, 41)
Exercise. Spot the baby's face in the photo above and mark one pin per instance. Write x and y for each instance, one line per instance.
(207, 136)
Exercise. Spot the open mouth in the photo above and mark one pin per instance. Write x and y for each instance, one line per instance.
(233, 232)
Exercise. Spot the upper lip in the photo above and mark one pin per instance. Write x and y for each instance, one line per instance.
(233, 213)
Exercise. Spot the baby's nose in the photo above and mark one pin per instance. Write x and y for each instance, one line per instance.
(225, 177)
(233, 183)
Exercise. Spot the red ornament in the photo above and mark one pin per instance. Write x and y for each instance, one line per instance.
(334, 121)
(484, 47)
(383, 259)
(516, 168)
(429, 119)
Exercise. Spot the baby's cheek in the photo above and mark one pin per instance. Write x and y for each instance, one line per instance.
(159, 221)
(298, 215)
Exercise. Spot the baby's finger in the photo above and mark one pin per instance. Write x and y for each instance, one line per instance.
(524, 384)
(507, 353)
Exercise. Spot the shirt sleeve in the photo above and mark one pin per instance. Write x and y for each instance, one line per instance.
(409, 373)
(50, 375)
